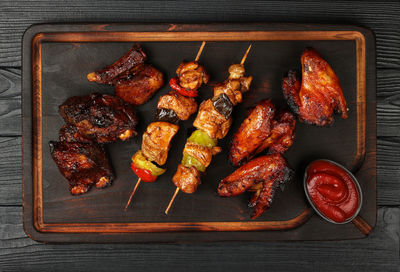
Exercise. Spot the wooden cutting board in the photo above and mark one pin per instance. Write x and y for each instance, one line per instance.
(56, 59)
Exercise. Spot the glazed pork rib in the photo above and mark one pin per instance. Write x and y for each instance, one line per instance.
(82, 164)
(132, 58)
(135, 82)
(100, 117)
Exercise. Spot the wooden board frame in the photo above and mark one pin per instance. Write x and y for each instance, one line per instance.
(110, 33)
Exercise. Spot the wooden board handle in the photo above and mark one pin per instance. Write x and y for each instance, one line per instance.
(362, 225)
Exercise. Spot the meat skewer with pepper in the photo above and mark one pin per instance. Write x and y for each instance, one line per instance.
(179, 104)
(212, 122)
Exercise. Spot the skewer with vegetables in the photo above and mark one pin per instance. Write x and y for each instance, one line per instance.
(178, 104)
(212, 122)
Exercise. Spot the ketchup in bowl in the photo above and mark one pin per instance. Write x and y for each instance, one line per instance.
(333, 191)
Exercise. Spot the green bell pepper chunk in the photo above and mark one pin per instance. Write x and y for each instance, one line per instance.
(200, 137)
(190, 161)
(141, 162)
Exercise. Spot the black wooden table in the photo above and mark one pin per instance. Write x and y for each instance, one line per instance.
(380, 251)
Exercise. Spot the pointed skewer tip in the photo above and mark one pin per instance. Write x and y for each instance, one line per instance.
(200, 51)
(245, 55)
(131, 196)
(172, 200)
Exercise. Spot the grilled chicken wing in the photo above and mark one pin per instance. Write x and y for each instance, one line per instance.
(157, 141)
(132, 58)
(252, 132)
(316, 96)
(139, 84)
(183, 106)
(261, 175)
(82, 164)
(100, 117)
(260, 130)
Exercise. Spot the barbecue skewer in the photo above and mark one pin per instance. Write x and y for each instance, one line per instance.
(177, 188)
(139, 179)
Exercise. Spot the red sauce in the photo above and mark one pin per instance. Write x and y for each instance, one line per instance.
(332, 190)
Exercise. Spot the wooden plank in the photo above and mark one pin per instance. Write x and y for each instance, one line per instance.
(388, 102)
(381, 17)
(10, 102)
(10, 171)
(377, 252)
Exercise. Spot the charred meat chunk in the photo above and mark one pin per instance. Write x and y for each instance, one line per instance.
(100, 117)
(82, 164)
(139, 84)
(132, 58)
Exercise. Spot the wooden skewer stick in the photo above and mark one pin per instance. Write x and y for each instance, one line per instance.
(138, 181)
(172, 200)
(200, 51)
(245, 55)
(133, 192)
(177, 188)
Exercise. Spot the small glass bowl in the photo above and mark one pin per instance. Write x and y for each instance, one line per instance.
(360, 197)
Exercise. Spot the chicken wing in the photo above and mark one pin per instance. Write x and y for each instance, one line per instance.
(82, 164)
(261, 175)
(316, 96)
(262, 129)
(101, 117)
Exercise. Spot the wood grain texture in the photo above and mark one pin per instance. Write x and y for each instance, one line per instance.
(382, 17)
(388, 102)
(377, 252)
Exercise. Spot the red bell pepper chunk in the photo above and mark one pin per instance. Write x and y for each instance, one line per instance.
(143, 174)
(174, 83)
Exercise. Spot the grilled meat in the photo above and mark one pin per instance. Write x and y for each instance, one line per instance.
(132, 58)
(183, 106)
(82, 164)
(186, 179)
(282, 134)
(70, 133)
(139, 84)
(191, 75)
(261, 175)
(211, 121)
(201, 153)
(157, 141)
(316, 96)
(260, 130)
(100, 117)
(252, 132)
